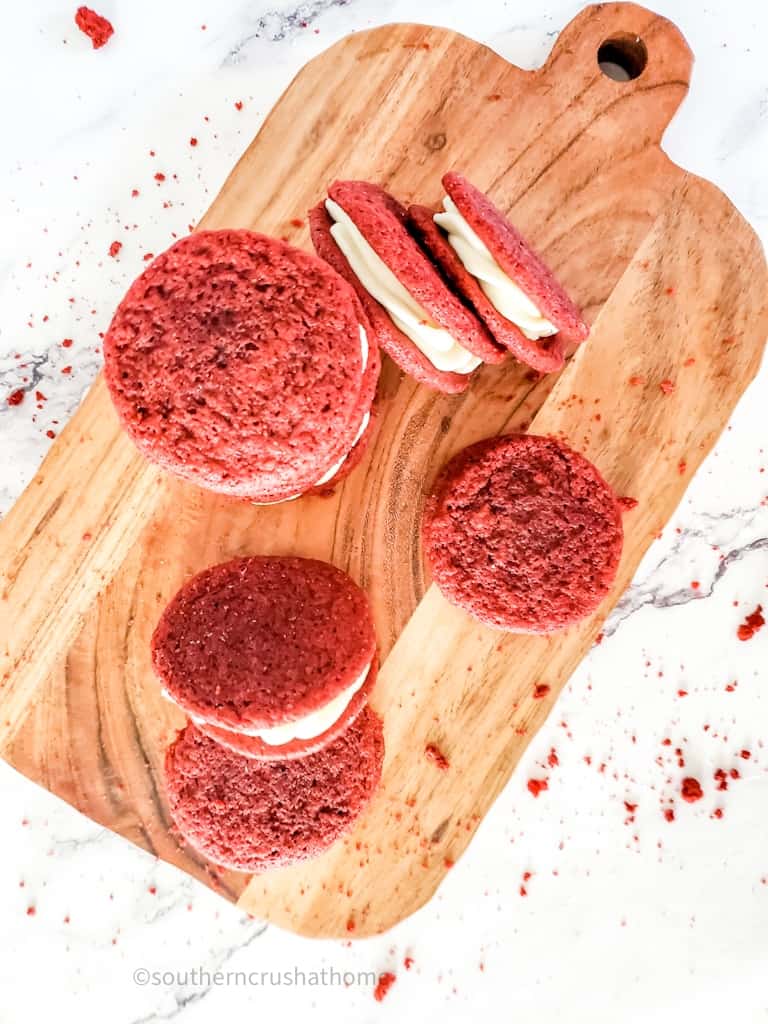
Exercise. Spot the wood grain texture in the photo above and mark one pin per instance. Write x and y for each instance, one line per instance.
(575, 158)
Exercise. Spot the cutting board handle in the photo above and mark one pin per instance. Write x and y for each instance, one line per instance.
(647, 47)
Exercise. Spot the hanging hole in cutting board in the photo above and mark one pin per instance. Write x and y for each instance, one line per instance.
(622, 58)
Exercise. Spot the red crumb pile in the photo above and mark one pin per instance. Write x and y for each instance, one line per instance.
(97, 29)
(384, 984)
(691, 790)
(751, 624)
(434, 754)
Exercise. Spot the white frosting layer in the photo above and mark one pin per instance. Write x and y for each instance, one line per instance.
(378, 280)
(307, 727)
(502, 291)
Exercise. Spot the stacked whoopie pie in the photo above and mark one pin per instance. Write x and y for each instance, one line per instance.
(273, 660)
(244, 365)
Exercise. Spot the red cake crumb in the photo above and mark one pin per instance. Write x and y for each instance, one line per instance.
(667, 386)
(408, 963)
(193, 141)
(751, 624)
(97, 29)
(16, 397)
(669, 814)
(691, 790)
(540, 691)
(115, 248)
(384, 984)
(627, 503)
(434, 754)
(536, 786)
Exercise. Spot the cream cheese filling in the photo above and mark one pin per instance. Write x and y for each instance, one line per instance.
(501, 290)
(305, 728)
(433, 341)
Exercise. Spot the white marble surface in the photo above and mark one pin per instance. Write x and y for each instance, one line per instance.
(621, 920)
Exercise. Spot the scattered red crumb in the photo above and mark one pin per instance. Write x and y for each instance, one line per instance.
(448, 863)
(682, 466)
(40, 397)
(631, 808)
(238, 104)
(627, 503)
(682, 693)
(541, 690)
(695, 584)
(636, 379)
(134, 192)
(667, 386)
(553, 760)
(31, 911)
(159, 176)
(66, 370)
(691, 790)
(735, 773)
(718, 812)
(751, 624)
(148, 256)
(669, 291)
(434, 753)
(721, 779)
(408, 962)
(193, 141)
(384, 984)
(97, 29)
(297, 222)
(152, 890)
(689, 361)
(50, 433)
(745, 754)
(16, 397)
(536, 786)
(115, 248)
(350, 925)
(67, 343)
(669, 814)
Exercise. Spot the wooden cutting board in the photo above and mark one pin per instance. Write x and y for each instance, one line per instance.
(675, 283)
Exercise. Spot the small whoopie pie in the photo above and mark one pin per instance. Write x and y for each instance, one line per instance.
(243, 365)
(432, 334)
(491, 265)
(271, 656)
(252, 815)
(523, 533)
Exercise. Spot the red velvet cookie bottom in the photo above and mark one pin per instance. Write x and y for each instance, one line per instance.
(253, 815)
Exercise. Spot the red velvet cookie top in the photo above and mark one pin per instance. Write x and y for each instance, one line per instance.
(262, 641)
(235, 361)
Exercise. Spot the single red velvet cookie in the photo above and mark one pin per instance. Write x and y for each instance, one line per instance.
(523, 533)
(237, 362)
(260, 643)
(253, 815)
